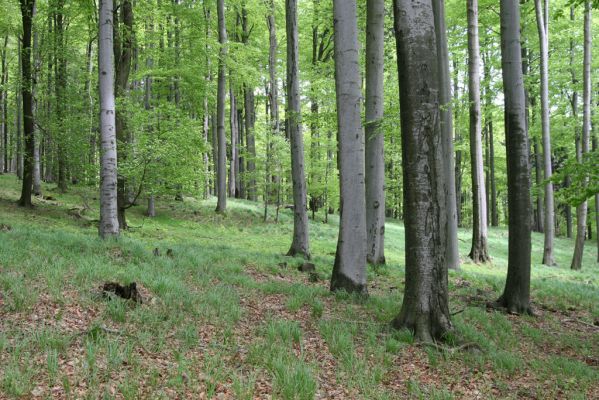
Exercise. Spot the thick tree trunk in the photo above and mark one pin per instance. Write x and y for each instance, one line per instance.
(109, 224)
(452, 255)
(27, 7)
(375, 140)
(151, 211)
(19, 116)
(221, 167)
(349, 270)
(549, 219)
(494, 213)
(581, 210)
(516, 295)
(425, 308)
(300, 244)
(478, 252)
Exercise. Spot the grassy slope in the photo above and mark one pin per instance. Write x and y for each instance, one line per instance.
(224, 319)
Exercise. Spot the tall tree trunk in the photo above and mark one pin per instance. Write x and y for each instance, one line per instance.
(375, 140)
(250, 119)
(123, 49)
(543, 30)
(60, 87)
(37, 189)
(494, 214)
(540, 213)
(595, 147)
(273, 88)
(27, 7)
(478, 252)
(109, 224)
(516, 295)
(19, 116)
(3, 108)
(425, 308)
(221, 167)
(300, 244)
(458, 153)
(349, 270)
(234, 125)
(452, 255)
(581, 210)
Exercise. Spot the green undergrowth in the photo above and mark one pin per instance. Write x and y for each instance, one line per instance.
(229, 313)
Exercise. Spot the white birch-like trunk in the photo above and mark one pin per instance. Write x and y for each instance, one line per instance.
(109, 225)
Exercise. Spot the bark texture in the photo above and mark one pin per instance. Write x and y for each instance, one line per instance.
(349, 270)
(109, 224)
(425, 308)
(516, 295)
(375, 140)
(478, 252)
(221, 168)
(452, 254)
(549, 218)
(300, 244)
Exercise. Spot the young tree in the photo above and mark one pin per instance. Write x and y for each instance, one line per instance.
(375, 140)
(300, 244)
(27, 7)
(581, 210)
(221, 168)
(478, 252)
(452, 255)
(109, 224)
(349, 270)
(542, 14)
(516, 295)
(425, 308)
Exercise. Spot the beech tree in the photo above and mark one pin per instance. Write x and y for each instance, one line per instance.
(109, 224)
(452, 255)
(349, 270)
(27, 7)
(375, 141)
(582, 208)
(221, 168)
(425, 308)
(478, 252)
(516, 295)
(542, 16)
(300, 244)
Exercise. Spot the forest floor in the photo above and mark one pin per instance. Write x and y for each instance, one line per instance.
(226, 315)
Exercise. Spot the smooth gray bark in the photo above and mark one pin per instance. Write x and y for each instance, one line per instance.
(349, 270)
(479, 252)
(452, 255)
(543, 31)
(582, 209)
(425, 308)
(221, 168)
(375, 139)
(300, 244)
(109, 224)
(516, 294)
